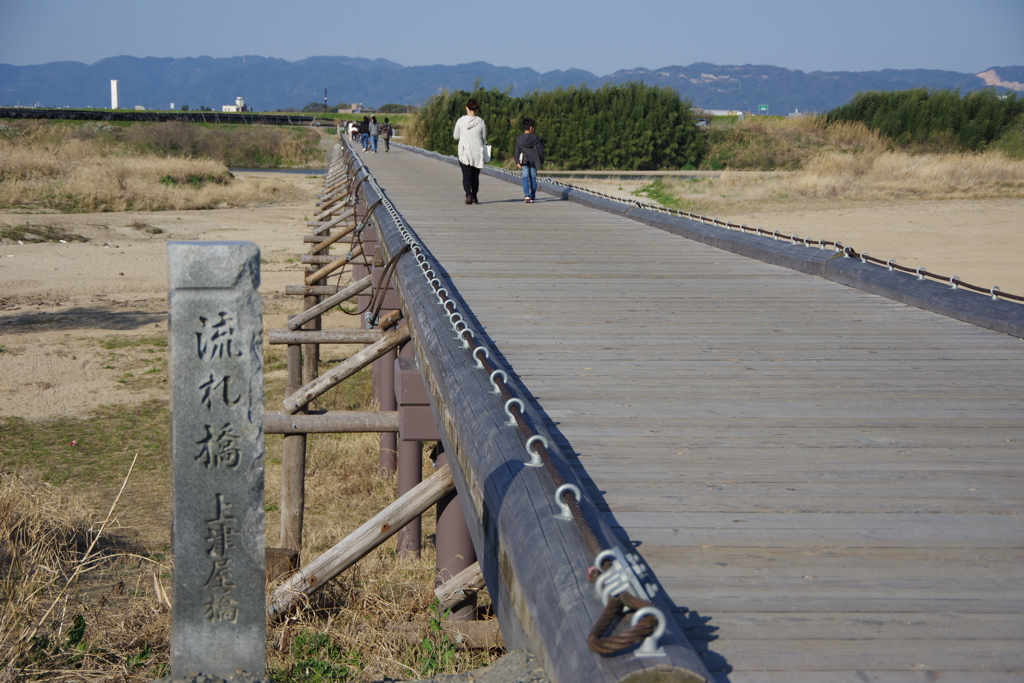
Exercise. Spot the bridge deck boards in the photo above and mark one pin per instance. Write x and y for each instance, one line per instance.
(827, 483)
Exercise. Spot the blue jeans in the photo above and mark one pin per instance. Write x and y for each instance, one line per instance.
(364, 138)
(373, 139)
(529, 182)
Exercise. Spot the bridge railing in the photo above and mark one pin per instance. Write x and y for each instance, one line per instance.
(539, 538)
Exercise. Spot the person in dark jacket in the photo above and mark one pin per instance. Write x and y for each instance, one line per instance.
(364, 133)
(529, 157)
(386, 131)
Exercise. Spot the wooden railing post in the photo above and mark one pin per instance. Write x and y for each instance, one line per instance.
(293, 465)
(384, 380)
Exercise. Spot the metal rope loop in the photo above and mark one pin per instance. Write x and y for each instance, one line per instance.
(890, 262)
(650, 647)
(953, 280)
(447, 301)
(863, 257)
(504, 378)
(993, 292)
(508, 405)
(566, 513)
(440, 300)
(919, 275)
(487, 355)
(535, 460)
(469, 331)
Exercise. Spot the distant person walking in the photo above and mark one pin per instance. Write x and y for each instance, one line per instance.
(471, 132)
(364, 133)
(386, 131)
(374, 133)
(353, 129)
(529, 157)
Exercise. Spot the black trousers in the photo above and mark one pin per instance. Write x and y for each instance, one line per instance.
(470, 179)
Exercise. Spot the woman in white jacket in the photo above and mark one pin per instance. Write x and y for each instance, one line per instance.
(471, 132)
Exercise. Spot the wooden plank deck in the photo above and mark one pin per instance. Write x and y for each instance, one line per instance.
(828, 484)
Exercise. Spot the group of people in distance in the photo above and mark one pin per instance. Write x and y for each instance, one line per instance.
(368, 132)
(474, 152)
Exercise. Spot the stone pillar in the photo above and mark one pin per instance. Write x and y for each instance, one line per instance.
(218, 621)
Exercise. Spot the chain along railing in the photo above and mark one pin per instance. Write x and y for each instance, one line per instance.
(622, 582)
(955, 282)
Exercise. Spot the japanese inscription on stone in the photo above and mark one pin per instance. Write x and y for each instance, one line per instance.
(218, 621)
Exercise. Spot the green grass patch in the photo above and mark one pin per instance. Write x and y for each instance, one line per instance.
(316, 658)
(659, 192)
(90, 452)
(26, 232)
(193, 179)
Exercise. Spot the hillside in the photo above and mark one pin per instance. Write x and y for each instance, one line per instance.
(271, 84)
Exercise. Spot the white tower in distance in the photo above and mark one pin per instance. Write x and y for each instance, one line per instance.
(115, 99)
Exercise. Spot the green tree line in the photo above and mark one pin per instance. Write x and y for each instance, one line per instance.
(935, 118)
(629, 127)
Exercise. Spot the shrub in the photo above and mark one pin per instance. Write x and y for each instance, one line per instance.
(631, 126)
(934, 120)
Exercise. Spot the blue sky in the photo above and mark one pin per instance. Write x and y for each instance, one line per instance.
(600, 36)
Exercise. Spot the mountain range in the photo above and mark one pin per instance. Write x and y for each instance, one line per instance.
(272, 84)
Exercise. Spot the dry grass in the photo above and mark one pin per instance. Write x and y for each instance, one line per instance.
(828, 163)
(77, 604)
(368, 624)
(859, 177)
(760, 143)
(75, 176)
(55, 168)
(71, 613)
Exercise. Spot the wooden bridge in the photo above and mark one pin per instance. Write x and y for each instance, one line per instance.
(827, 484)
